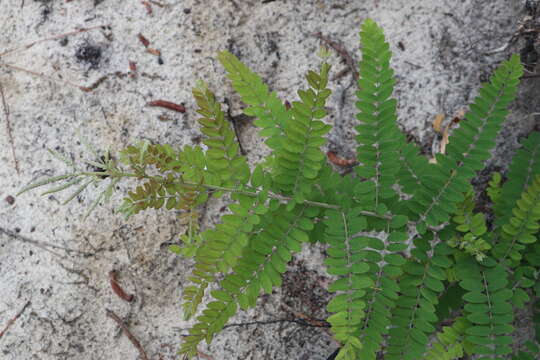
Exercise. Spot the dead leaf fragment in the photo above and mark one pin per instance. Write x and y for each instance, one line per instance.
(438, 122)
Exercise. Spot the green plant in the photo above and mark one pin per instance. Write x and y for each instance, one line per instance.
(434, 254)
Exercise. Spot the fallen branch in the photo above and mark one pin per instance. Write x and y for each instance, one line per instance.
(129, 335)
(10, 322)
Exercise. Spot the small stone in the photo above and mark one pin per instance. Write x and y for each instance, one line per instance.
(10, 200)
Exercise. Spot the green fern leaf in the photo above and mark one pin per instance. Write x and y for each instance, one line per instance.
(271, 115)
(262, 263)
(414, 316)
(532, 353)
(469, 146)
(521, 228)
(300, 159)
(223, 151)
(378, 136)
(222, 246)
(524, 166)
(451, 343)
(344, 261)
(487, 305)
(381, 297)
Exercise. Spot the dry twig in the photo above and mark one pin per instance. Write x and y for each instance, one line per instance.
(341, 52)
(115, 286)
(129, 335)
(42, 244)
(8, 129)
(12, 320)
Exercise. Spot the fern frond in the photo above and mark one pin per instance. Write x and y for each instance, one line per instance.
(381, 297)
(414, 316)
(489, 310)
(375, 325)
(269, 111)
(524, 166)
(223, 154)
(472, 227)
(521, 228)
(300, 159)
(222, 246)
(344, 261)
(469, 146)
(378, 136)
(260, 266)
(451, 343)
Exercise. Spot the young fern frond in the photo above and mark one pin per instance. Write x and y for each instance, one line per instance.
(470, 229)
(469, 146)
(176, 187)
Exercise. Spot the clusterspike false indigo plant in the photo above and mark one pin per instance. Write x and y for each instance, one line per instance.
(435, 254)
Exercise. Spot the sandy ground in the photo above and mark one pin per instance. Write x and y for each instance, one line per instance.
(60, 264)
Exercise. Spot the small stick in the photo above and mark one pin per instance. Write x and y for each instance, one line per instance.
(129, 335)
(153, 51)
(167, 105)
(118, 289)
(235, 126)
(94, 85)
(10, 322)
(146, 44)
(143, 40)
(157, 3)
(8, 129)
(341, 52)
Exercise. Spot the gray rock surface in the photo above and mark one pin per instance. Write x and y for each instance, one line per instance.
(59, 263)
